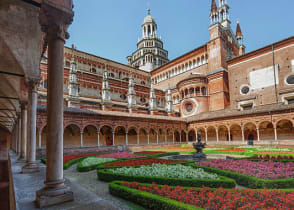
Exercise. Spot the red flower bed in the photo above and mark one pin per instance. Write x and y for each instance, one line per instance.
(67, 158)
(150, 153)
(276, 152)
(139, 162)
(222, 198)
(232, 150)
(268, 157)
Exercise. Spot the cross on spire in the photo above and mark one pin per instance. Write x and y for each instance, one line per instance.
(148, 11)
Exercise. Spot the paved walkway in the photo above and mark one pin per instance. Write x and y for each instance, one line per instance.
(89, 193)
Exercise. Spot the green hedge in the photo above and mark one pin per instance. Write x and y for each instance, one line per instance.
(250, 181)
(158, 155)
(147, 200)
(69, 163)
(224, 182)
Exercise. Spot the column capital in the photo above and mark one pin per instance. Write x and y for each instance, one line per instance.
(55, 20)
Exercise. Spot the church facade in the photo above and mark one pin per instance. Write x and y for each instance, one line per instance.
(217, 90)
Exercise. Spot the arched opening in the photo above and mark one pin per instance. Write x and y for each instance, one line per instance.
(132, 136)
(183, 135)
(169, 135)
(161, 136)
(211, 133)
(236, 133)
(197, 91)
(285, 130)
(120, 135)
(43, 137)
(223, 134)
(266, 131)
(72, 136)
(90, 136)
(201, 131)
(203, 91)
(106, 135)
(152, 136)
(177, 136)
(143, 135)
(250, 131)
(192, 135)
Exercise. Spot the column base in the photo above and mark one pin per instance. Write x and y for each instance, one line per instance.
(52, 196)
(30, 168)
(21, 160)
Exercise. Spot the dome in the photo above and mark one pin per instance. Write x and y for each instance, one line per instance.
(149, 19)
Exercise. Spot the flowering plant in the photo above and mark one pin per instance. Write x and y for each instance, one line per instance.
(150, 153)
(67, 158)
(268, 157)
(168, 171)
(233, 150)
(95, 161)
(221, 198)
(137, 162)
(120, 155)
(261, 169)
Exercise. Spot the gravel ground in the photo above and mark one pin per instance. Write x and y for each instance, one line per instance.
(89, 181)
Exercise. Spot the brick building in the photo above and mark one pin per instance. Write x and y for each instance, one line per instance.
(217, 89)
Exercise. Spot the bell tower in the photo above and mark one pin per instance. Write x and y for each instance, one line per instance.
(150, 53)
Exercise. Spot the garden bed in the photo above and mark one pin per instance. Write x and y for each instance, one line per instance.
(156, 154)
(119, 155)
(91, 163)
(166, 174)
(158, 197)
(272, 175)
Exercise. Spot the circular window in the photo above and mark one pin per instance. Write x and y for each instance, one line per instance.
(290, 79)
(189, 107)
(245, 90)
(123, 97)
(143, 100)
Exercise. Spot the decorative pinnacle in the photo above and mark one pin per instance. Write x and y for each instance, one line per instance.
(148, 11)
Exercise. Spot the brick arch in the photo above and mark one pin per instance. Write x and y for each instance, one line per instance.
(132, 127)
(90, 124)
(211, 133)
(106, 124)
(116, 126)
(285, 131)
(72, 123)
(236, 134)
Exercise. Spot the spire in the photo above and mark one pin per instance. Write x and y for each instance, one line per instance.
(106, 98)
(213, 7)
(131, 94)
(169, 104)
(238, 30)
(148, 11)
(73, 87)
(152, 99)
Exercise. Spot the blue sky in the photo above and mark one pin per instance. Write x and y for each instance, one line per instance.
(110, 28)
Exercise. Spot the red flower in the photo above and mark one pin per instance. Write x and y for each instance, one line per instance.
(138, 162)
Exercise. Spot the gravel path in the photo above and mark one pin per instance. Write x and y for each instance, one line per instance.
(89, 181)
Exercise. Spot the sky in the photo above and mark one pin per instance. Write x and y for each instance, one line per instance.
(111, 28)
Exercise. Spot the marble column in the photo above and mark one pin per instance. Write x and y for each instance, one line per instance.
(276, 134)
(157, 137)
(165, 138)
(40, 138)
(148, 139)
(54, 23)
(98, 139)
(113, 134)
(138, 138)
(81, 139)
(229, 131)
(180, 137)
(19, 135)
(206, 135)
(217, 138)
(173, 137)
(243, 138)
(127, 138)
(31, 165)
(23, 130)
(258, 136)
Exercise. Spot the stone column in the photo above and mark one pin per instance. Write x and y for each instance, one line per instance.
(217, 135)
(19, 135)
(243, 138)
(148, 138)
(138, 138)
(258, 137)
(206, 135)
(40, 138)
(157, 137)
(113, 134)
(180, 137)
(31, 165)
(54, 22)
(23, 130)
(98, 139)
(165, 138)
(81, 139)
(229, 132)
(173, 137)
(187, 137)
(276, 134)
(127, 138)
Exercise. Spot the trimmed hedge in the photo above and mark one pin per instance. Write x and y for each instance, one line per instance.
(158, 155)
(250, 181)
(69, 163)
(256, 160)
(224, 182)
(147, 200)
